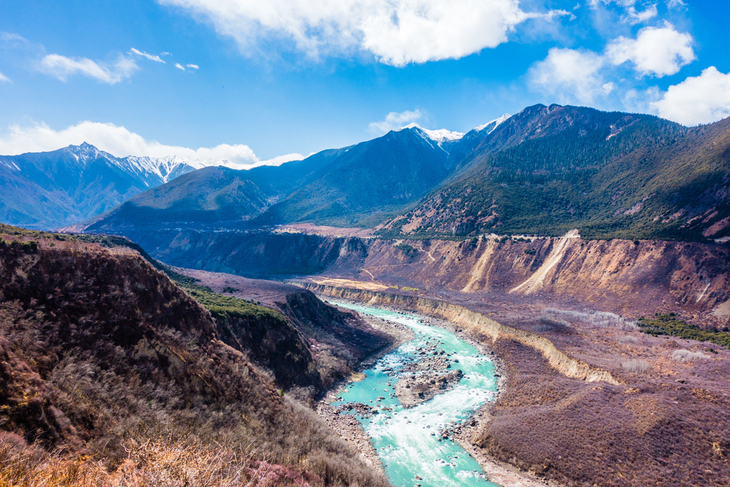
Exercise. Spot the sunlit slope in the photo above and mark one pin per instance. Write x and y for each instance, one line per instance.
(611, 175)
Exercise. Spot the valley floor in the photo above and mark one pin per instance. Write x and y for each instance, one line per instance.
(271, 292)
(663, 421)
(665, 418)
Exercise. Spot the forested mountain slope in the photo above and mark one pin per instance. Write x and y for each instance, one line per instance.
(611, 175)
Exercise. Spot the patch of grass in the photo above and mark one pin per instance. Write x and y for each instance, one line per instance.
(219, 305)
(670, 325)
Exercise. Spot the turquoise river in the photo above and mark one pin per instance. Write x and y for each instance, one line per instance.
(409, 441)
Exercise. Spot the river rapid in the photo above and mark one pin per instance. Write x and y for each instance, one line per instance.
(410, 441)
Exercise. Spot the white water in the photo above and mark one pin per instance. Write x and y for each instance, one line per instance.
(408, 440)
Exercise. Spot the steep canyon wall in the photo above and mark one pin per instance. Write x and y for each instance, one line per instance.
(623, 276)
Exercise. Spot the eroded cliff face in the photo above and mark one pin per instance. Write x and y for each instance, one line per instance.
(623, 276)
(628, 277)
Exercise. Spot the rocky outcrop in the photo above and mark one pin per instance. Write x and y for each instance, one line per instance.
(305, 343)
(412, 390)
(477, 324)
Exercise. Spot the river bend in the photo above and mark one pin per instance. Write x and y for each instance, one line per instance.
(410, 441)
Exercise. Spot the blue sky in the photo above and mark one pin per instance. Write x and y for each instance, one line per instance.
(251, 81)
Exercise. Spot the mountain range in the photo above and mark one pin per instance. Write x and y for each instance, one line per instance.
(360, 185)
(548, 170)
(54, 189)
(544, 171)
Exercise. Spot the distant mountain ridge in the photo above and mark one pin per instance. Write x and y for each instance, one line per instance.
(52, 189)
(363, 184)
(545, 170)
(550, 169)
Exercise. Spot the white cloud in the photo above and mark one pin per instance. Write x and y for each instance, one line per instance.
(633, 16)
(13, 40)
(180, 66)
(395, 31)
(192, 66)
(657, 51)
(696, 100)
(120, 142)
(586, 77)
(279, 160)
(151, 57)
(4, 79)
(395, 120)
(62, 67)
(570, 76)
(622, 3)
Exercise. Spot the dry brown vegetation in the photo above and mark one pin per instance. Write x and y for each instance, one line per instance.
(159, 462)
(644, 432)
(111, 375)
(663, 425)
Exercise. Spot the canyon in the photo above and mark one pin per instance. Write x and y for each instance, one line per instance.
(584, 252)
(630, 278)
(560, 314)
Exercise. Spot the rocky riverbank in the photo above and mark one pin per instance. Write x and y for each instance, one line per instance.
(346, 425)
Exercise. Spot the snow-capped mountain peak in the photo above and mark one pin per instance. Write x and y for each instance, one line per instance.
(490, 126)
(86, 153)
(165, 168)
(439, 136)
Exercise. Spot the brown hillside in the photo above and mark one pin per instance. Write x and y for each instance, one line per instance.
(103, 356)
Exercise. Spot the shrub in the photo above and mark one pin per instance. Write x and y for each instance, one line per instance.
(636, 366)
(409, 250)
(663, 324)
(687, 356)
(595, 318)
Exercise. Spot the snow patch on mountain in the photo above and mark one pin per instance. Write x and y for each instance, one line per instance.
(439, 136)
(10, 165)
(490, 126)
(165, 168)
